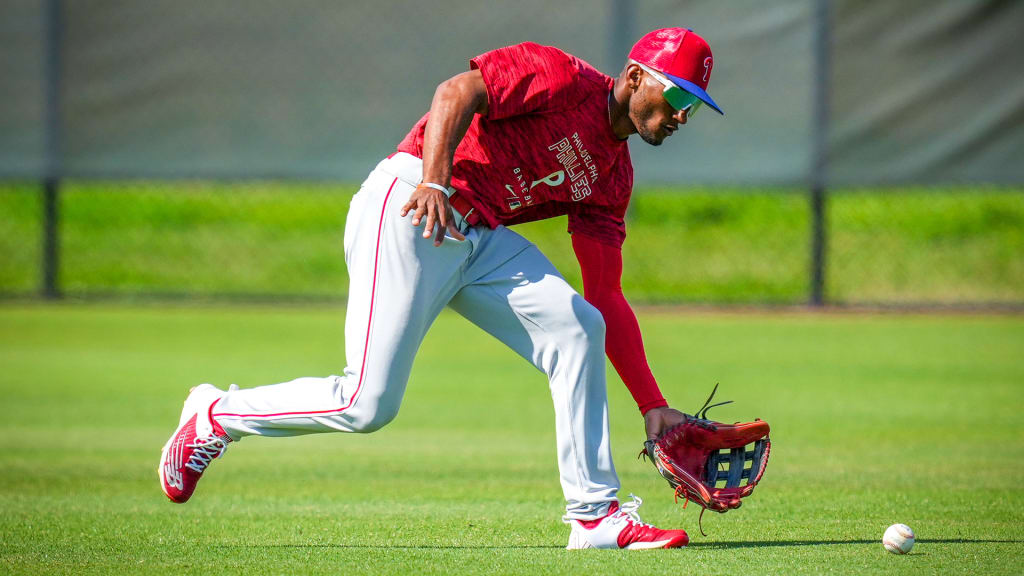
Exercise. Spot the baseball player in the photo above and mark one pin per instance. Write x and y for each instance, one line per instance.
(529, 132)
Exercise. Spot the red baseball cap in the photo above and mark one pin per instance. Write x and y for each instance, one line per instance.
(682, 56)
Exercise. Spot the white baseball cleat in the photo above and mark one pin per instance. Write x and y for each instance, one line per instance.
(621, 528)
(196, 442)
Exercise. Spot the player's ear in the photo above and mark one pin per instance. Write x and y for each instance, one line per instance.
(634, 75)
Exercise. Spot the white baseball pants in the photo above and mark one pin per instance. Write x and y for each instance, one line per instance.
(399, 283)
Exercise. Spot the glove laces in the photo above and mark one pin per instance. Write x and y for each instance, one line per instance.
(205, 450)
(702, 412)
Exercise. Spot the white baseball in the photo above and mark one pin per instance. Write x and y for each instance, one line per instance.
(898, 539)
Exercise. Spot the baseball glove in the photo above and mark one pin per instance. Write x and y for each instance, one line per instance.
(707, 461)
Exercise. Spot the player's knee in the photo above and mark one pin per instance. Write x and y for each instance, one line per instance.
(380, 419)
(591, 324)
(366, 419)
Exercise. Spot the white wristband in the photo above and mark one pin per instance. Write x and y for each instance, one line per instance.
(447, 191)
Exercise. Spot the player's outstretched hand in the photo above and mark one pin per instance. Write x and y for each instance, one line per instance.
(433, 204)
(658, 420)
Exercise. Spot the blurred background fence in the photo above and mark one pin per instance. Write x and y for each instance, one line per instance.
(871, 153)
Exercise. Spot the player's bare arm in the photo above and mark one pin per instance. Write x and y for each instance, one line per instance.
(455, 102)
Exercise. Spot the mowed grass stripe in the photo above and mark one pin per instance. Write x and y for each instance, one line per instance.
(876, 420)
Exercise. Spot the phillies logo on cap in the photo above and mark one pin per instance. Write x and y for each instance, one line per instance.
(682, 56)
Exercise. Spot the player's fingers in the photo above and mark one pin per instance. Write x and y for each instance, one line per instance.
(444, 218)
(439, 235)
(431, 220)
(455, 232)
(452, 229)
(406, 207)
(421, 209)
(444, 213)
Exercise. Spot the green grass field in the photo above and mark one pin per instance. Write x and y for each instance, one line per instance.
(908, 245)
(876, 419)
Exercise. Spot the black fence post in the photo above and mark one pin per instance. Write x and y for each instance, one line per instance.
(51, 239)
(50, 287)
(621, 25)
(818, 234)
(621, 32)
(819, 163)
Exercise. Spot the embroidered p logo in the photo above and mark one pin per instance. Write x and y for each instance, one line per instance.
(553, 179)
(708, 63)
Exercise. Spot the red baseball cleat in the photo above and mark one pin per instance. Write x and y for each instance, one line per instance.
(196, 442)
(621, 528)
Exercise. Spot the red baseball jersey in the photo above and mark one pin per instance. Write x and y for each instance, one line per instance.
(545, 148)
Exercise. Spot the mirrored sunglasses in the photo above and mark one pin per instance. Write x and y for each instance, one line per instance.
(677, 97)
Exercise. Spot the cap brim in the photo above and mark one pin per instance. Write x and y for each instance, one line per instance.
(695, 90)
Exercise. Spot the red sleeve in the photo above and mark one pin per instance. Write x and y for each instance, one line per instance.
(598, 223)
(601, 265)
(526, 78)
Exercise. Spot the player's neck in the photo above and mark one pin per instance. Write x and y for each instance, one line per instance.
(618, 113)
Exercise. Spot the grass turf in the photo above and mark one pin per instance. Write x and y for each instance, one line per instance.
(693, 245)
(876, 420)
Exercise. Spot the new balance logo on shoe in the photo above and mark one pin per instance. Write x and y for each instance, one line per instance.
(172, 477)
(197, 442)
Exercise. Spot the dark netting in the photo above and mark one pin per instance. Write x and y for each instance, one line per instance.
(210, 148)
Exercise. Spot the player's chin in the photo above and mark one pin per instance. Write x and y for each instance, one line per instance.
(653, 138)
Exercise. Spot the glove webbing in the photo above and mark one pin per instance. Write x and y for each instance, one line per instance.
(735, 465)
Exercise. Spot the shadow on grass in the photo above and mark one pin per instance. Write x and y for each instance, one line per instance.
(705, 545)
(395, 546)
(789, 543)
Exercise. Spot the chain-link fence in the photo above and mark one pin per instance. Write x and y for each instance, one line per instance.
(260, 240)
(162, 148)
(181, 239)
